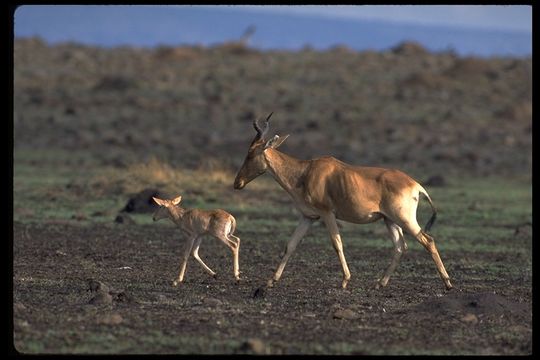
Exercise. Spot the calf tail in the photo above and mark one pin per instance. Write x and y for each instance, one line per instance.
(233, 225)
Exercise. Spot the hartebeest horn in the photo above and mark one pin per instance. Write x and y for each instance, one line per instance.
(262, 133)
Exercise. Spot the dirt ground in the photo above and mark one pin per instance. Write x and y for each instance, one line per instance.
(57, 309)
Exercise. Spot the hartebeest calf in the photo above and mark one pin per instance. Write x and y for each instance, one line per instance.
(196, 223)
(328, 189)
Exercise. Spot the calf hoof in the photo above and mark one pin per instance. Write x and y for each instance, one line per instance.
(381, 283)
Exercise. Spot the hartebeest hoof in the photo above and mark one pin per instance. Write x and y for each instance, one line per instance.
(344, 283)
(176, 283)
(270, 283)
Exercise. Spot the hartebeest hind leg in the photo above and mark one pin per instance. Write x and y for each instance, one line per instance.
(428, 243)
(396, 234)
(301, 229)
(331, 225)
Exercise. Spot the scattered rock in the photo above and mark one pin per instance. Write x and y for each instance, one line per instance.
(479, 304)
(254, 345)
(469, 319)
(110, 319)
(95, 285)
(259, 293)
(122, 218)
(101, 298)
(122, 297)
(142, 202)
(524, 230)
(79, 216)
(475, 205)
(435, 181)
(346, 314)
(19, 306)
(212, 302)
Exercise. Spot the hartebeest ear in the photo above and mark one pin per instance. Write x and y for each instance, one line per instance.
(159, 201)
(275, 142)
(177, 200)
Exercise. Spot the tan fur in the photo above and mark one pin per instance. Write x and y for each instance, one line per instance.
(196, 223)
(328, 189)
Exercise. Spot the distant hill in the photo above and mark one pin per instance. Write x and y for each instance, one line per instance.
(149, 26)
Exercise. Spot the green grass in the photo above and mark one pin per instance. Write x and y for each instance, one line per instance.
(474, 214)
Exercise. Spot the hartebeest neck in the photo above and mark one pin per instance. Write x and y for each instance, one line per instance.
(286, 169)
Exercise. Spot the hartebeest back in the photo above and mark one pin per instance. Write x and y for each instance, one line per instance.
(328, 189)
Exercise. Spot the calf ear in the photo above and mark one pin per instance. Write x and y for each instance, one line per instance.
(177, 200)
(159, 201)
(275, 142)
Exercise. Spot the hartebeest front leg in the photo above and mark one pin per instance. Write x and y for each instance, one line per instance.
(331, 225)
(303, 226)
(187, 251)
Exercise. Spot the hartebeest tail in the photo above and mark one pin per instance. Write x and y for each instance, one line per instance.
(434, 216)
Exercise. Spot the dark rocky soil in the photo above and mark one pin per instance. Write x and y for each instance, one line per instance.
(116, 280)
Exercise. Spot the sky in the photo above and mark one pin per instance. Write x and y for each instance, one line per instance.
(483, 30)
(505, 17)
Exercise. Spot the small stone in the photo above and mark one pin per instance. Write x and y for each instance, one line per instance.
(79, 216)
(102, 298)
(95, 285)
(19, 306)
(211, 302)
(346, 314)
(124, 219)
(122, 297)
(254, 345)
(110, 319)
(469, 318)
(259, 293)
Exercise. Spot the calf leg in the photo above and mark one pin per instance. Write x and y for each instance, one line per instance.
(235, 248)
(195, 253)
(187, 250)
(236, 266)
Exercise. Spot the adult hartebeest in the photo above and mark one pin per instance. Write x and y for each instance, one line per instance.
(328, 189)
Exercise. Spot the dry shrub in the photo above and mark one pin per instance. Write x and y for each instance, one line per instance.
(209, 178)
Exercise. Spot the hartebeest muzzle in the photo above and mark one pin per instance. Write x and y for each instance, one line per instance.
(239, 184)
